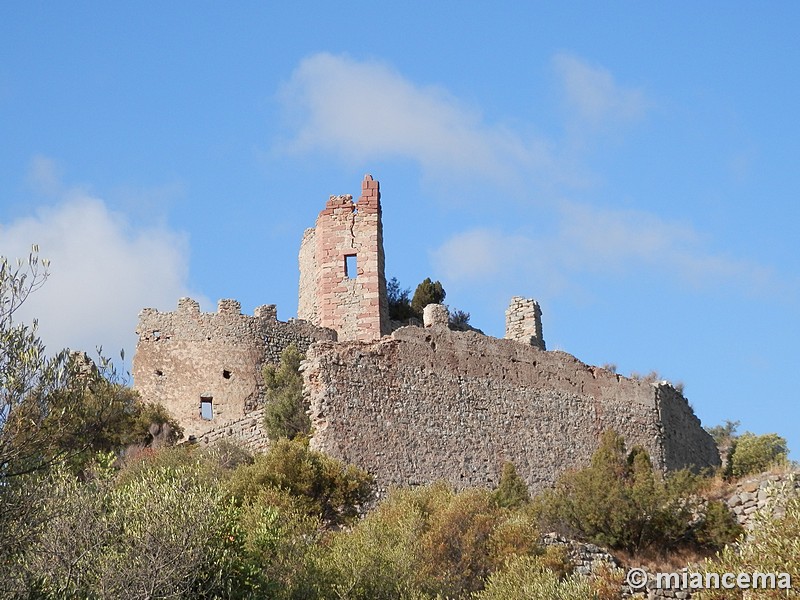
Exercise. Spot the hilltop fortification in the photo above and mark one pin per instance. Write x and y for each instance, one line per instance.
(421, 404)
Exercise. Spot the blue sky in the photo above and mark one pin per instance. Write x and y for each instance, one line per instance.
(632, 166)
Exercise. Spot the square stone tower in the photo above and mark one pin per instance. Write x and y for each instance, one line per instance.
(342, 279)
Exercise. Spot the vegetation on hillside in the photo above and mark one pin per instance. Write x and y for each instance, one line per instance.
(747, 453)
(96, 503)
(620, 502)
(402, 306)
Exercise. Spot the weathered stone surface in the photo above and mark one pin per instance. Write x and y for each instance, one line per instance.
(524, 322)
(435, 315)
(762, 492)
(247, 431)
(352, 303)
(430, 404)
(184, 355)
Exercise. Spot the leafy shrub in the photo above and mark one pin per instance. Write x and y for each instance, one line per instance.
(526, 578)
(279, 543)
(756, 453)
(285, 410)
(619, 502)
(456, 547)
(325, 487)
(771, 546)
(377, 560)
(161, 532)
(440, 541)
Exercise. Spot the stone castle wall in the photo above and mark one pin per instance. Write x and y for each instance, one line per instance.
(247, 431)
(429, 404)
(342, 281)
(186, 355)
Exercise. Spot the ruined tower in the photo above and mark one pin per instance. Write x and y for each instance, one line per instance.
(342, 280)
(524, 322)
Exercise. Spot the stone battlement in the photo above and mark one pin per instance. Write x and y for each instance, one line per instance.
(187, 358)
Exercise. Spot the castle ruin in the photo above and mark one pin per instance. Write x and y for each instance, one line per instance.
(415, 405)
(205, 368)
(342, 280)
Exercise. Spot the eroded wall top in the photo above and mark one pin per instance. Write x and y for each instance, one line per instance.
(342, 279)
(429, 404)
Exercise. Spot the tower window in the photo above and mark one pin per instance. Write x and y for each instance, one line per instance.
(350, 266)
(206, 408)
(226, 374)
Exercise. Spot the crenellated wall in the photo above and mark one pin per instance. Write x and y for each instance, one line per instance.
(186, 355)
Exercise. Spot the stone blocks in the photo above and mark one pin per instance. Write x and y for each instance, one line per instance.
(524, 322)
(352, 302)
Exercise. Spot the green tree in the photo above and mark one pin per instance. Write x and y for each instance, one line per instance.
(620, 502)
(757, 453)
(512, 491)
(427, 292)
(398, 300)
(285, 410)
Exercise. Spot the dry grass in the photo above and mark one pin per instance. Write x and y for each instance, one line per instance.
(717, 488)
(663, 563)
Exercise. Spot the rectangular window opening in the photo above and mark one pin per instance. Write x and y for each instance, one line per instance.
(206, 408)
(350, 266)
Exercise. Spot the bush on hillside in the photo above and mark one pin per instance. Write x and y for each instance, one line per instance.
(771, 546)
(327, 488)
(621, 503)
(752, 453)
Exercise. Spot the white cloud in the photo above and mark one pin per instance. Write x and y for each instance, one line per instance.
(611, 242)
(103, 272)
(366, 110)
(594, 95)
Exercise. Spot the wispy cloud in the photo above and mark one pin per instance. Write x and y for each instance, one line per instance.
(615, 243)
(103, 270)
(366, 110)
(44, 175)
(595, 96)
